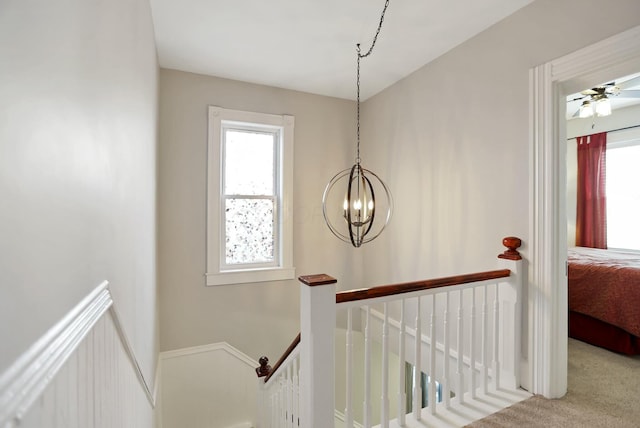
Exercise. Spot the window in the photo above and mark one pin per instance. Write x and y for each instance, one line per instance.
(250, 173)
(410, 385)
(623, 195)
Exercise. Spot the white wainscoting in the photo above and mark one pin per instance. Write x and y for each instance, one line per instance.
(81, 373)
(212, 386)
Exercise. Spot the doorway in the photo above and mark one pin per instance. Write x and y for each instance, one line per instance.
(550, 84)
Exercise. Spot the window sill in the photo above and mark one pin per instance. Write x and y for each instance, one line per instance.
(248, 276)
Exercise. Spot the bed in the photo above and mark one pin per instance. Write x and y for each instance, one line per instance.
(604, 298)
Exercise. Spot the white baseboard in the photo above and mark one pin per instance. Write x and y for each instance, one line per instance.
(242, 425)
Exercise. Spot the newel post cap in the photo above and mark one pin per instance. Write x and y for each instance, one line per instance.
(264, 368)
(511, 253)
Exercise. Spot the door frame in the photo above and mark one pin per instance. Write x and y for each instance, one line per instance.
(548, 301)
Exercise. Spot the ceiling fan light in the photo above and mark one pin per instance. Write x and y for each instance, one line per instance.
(603, 107)
(586, 110)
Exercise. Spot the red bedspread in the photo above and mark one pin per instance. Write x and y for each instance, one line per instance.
(605, 285)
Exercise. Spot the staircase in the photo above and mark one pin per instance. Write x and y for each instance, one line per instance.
(452, 344)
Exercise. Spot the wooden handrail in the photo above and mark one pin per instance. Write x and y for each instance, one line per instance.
(408, 287)
(512, 244)
(268, 371)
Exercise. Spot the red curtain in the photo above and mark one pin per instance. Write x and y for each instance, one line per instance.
(591, 217)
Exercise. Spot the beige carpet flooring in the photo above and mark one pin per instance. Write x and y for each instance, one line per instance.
(603, 391)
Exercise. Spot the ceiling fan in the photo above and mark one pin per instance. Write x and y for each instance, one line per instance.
(597, 100)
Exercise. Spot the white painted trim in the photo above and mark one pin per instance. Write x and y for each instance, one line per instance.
(285, 270)
(151, 396)
(617, 55)
(213, 347)
(25, 380)
(250, 275)
(242, 425)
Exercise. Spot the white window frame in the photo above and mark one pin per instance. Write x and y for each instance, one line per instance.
(619, 140)
(282, 269)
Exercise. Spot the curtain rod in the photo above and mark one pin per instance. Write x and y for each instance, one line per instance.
(613, 130)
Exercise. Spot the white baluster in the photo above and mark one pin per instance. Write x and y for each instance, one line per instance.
(402, 394)
(384, 399)
(472, 345)
(283, 401)
(367, 370)
(290, 396)
(274, 409)
(432, 358)
(348, 411)
(417, 386)
(296, 391)
(496, 339)
(446, 387)
(460, 391)
(485, 341)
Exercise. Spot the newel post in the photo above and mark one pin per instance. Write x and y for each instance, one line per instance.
(511, 314)
(317, 365)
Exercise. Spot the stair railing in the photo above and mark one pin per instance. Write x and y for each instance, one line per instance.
(463, 331)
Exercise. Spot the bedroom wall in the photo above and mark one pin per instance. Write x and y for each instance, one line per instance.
(452, 141)
(622, 118)
(78, 119)
(261, 318)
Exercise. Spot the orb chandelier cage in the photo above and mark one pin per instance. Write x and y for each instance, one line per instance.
(359, 206)
(355, 232)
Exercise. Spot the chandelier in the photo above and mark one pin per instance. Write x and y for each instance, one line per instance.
(357, 219)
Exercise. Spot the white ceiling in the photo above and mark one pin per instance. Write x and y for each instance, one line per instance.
(310, 45)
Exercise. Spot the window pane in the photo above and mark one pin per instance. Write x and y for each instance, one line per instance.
(623, 197)
(249, 230)
(249, 162)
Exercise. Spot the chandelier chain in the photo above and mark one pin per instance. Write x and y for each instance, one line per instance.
(361, 55)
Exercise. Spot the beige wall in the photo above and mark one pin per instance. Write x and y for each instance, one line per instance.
(78, 107)
(453, 140)
(262, 318)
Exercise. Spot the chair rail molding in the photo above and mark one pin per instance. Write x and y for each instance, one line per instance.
(548, 301)
(28, 377)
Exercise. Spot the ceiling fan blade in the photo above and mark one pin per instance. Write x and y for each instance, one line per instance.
(573, 100)
(589, 92)
(629, 83)
(573, 108)
(629, 94)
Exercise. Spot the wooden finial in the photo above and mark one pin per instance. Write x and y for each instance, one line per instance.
(264, 368)
(511, 253)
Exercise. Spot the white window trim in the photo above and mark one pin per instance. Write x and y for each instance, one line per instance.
(620, 140)
(285, 270)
